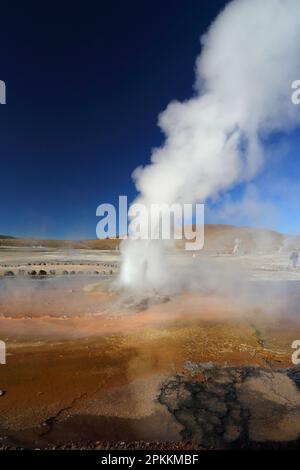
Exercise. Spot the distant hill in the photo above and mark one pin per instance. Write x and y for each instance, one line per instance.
(218, 239)
(107, 244)
(221, 238)
(6, 237)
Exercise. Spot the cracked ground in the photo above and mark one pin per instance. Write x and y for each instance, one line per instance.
(213, 376)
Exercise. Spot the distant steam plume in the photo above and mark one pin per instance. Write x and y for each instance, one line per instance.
(250, 56)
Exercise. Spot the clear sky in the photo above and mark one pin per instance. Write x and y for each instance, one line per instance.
(85, 84)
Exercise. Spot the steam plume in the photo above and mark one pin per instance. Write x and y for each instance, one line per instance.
(250, 56)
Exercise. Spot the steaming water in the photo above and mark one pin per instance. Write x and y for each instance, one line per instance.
(213, 141)
(66, 296)
(58, 296)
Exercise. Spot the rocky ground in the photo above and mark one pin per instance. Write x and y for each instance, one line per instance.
(114, 445)
(244, 407)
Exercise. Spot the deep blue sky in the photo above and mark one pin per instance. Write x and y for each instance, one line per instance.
(85, 83)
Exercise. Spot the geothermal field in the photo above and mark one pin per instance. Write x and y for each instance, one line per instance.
(206, 364)
(150, 229)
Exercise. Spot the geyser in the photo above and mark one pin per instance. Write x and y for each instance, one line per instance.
(215, 139)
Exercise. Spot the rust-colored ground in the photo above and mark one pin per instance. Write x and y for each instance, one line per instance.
(96, 376)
